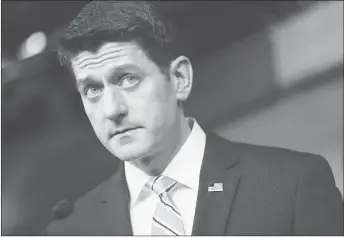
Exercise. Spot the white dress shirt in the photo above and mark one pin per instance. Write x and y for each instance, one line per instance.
(184, 168)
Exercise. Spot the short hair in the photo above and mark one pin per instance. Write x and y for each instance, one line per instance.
(100, 22)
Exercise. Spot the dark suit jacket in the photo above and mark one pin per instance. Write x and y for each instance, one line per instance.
(266, 191)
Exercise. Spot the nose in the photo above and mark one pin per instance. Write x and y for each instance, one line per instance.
(115, 107)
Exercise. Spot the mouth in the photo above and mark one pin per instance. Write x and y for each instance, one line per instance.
(123, 131)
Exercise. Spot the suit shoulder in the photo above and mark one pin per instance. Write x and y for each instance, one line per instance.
(268, 156)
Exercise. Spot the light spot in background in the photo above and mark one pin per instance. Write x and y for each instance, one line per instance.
(9, 213)
(308, 43)
(33, 45)
(4, 61)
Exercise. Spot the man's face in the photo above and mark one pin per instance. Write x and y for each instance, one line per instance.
(129, 101)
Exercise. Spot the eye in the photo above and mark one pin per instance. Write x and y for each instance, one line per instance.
(92, 91)
(128, 81)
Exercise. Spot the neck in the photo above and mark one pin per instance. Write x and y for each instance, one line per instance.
(157, 163)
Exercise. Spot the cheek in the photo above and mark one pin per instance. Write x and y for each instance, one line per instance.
(154, 105)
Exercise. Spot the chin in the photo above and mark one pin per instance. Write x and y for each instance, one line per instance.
(130, 152)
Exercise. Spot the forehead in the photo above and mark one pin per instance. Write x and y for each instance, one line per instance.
(113, 54)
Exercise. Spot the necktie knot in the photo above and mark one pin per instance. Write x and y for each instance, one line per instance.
(161, 184)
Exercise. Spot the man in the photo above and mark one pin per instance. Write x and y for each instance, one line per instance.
(175, 178)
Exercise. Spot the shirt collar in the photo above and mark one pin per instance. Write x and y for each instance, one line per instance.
(136, 179)
(185, 167)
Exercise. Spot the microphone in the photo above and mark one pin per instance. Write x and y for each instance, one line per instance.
(63, 209)
(60, 210)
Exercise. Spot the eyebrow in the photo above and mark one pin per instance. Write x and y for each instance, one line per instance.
(125, 67)
(82, 81)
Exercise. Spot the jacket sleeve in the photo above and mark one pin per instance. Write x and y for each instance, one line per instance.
(319, 204)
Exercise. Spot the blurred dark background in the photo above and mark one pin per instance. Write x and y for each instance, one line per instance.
(266, 72)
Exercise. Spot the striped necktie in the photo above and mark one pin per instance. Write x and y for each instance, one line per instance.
(166, 219)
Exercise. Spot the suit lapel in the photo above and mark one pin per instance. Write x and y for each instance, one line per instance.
(213, 208)
(114, 201)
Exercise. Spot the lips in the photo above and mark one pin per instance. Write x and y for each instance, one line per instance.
(122, 131)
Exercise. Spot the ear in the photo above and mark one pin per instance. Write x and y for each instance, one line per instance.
(181, 74)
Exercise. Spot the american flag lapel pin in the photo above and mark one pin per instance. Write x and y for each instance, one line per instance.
(215, 187)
